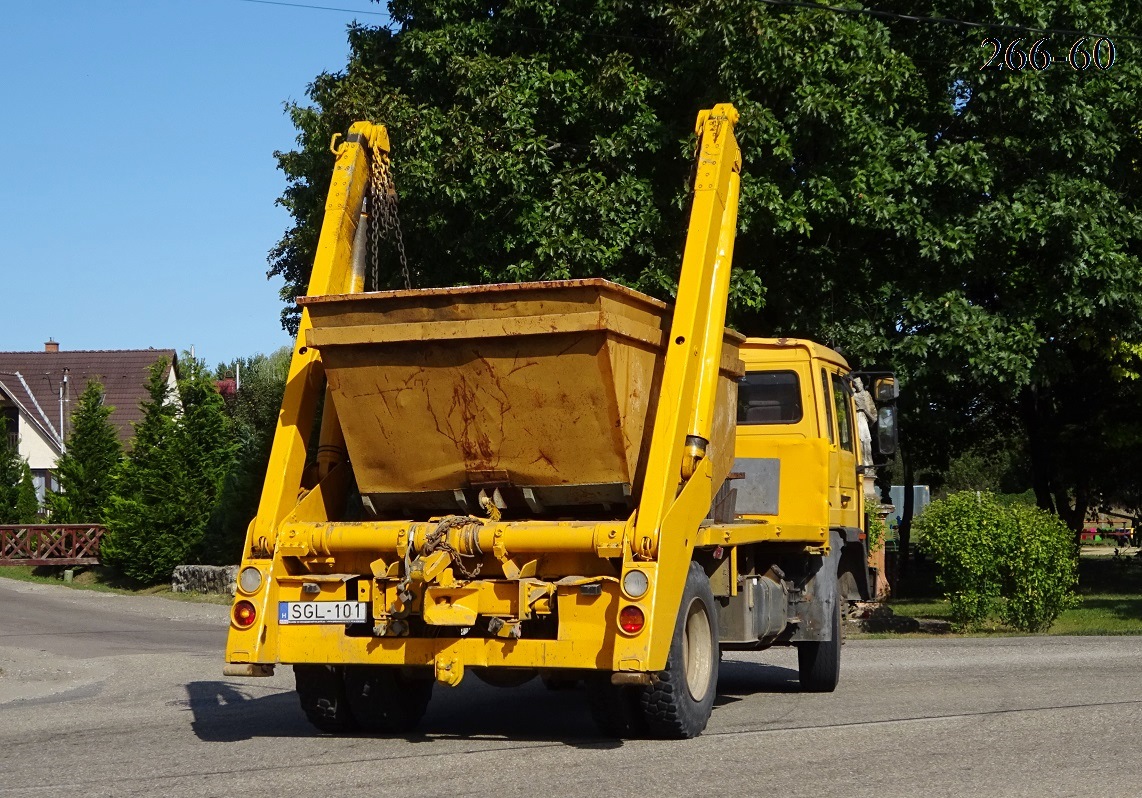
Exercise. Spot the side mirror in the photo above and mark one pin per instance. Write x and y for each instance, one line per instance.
(887, 389)
(886, 436)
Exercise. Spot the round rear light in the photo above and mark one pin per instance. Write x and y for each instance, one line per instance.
(631, 619)
(635, 583)
(244, 614)
(250, 579)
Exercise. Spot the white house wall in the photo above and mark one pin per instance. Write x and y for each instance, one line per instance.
(35, 447)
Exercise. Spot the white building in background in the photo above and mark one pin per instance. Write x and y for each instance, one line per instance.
(38, 391)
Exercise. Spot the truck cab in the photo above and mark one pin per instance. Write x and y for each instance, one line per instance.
(796, 414)
(803, 457)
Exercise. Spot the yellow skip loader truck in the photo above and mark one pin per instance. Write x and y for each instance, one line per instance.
(564, 479)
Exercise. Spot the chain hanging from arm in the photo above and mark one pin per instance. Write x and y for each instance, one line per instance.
(384, 217)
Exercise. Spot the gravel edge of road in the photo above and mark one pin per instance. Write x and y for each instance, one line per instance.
(153, 605)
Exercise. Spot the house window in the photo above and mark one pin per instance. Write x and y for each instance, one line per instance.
(45, 482)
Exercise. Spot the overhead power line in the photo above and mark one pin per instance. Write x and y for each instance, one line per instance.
(318, 8)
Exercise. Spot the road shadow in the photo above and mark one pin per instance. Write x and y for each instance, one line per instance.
(738, 680)
(532, 712)
(223, 712)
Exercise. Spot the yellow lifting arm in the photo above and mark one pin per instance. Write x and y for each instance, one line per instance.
(679, 483)
(333, 273)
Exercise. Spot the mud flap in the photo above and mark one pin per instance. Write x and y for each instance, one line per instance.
(819, 595)
(857, 582)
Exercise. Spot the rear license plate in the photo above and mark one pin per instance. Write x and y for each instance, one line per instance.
(323, 611)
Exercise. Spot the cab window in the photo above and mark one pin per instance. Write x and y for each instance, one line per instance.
(844, 417)
(769, 397)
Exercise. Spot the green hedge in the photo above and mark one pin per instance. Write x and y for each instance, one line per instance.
(1015, 563)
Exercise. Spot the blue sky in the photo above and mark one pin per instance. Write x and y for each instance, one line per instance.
(137, 178)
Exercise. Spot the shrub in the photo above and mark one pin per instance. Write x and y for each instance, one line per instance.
(1014, 562)
(961, 534)
(877, 530)
(1041, 569)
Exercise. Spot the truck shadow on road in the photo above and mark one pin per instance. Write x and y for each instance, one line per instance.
(738, 680)
(223, 712)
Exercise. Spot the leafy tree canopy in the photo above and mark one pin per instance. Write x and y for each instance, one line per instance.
(975, 229)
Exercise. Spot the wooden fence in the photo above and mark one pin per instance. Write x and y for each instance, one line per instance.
(50, 544)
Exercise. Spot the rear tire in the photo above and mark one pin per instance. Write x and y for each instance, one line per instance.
(385, 699)
(819, 662)
(321, 691)
(678, 702)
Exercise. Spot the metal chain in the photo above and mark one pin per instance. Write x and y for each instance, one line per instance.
(437, 540)
(384, 217)
(404, 595)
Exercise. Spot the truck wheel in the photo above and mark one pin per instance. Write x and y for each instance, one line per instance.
(678, 702)
(819, 663)
(385, 699)
(321, 690)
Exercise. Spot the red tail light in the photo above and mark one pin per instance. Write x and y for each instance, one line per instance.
(244, 614)
(631, 619)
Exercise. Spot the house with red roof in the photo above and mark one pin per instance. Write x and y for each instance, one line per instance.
(37, 389)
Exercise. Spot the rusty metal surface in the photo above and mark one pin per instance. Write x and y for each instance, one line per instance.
(527, 385)
(419, 295)
(50, 544)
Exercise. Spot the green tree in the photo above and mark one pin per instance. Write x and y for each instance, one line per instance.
(529, 145)
(974, 229)
(87, 468)
(253, 410)
(27, 502)
(1038, 292)
(18, 503)
(167, 488)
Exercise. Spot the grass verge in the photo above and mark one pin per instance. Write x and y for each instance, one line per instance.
(1110, 594)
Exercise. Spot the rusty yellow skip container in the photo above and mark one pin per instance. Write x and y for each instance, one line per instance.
(541, 395)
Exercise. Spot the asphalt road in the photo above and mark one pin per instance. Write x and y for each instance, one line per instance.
(104, 695)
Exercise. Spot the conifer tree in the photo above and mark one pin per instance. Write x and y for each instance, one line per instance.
(169, 485)
(88, 466)
(18, 503)
(27, 502)
(253, 413)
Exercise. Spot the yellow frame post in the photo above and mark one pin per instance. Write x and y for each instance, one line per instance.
(667, 519)
(332, 274)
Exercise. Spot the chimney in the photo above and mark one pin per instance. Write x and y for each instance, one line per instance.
(51, 345)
